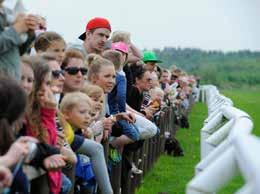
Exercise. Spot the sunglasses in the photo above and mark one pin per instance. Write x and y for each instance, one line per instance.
(75, 70)
(57, 73)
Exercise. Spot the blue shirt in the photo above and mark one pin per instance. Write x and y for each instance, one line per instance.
(117, 97)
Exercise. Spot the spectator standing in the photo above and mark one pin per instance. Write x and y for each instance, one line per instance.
(12, 43)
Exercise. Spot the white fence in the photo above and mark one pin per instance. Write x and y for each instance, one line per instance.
(227, 147)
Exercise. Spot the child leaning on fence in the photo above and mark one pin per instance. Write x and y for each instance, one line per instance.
(40, 117)
(76, 109)
(97, 96)
(117, 97)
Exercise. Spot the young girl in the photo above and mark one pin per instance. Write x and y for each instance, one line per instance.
(41, 118)
(102, 73)
(51, 42)
(156, 100)
(97, 96)
(134, 54)
(27, 75)
(57, 75)
(75, 107)
(117, 97)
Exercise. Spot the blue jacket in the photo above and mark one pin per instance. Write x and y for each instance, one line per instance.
(117, 97)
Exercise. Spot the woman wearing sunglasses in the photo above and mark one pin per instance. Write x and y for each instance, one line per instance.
(74, 70)
(57, 74)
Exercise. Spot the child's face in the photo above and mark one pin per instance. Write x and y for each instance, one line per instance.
(80, 115)
(44, 95)
(159, 96)
(46, 84)
(27, 79)
(57, 47)
(94, 113)
(98, 102)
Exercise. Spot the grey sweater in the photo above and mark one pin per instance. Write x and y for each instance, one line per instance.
(11, 47)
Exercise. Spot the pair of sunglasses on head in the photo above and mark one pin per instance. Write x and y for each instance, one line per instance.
(70, 70)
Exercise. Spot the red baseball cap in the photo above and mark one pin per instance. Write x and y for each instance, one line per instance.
(94, 24)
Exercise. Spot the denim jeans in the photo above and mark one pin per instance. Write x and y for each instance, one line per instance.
(129, 130)
(95, 152)
(66, 184)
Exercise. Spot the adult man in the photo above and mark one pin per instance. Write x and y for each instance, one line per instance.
(165, 78)
(150, 59)
(96, 35)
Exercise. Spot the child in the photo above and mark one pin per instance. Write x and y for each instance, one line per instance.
(75, 107)
(57, 75)
(97, 95)
(41, 118)
(134, 54)
(156, 100)
(27, 75)
(51, 42)
(117, 97)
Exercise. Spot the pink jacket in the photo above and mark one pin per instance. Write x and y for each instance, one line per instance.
(48, 122)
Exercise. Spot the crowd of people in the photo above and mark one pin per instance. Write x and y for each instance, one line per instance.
(68, 101)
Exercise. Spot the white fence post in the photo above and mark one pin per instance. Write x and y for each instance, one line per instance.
(218, 173)
(226, 148)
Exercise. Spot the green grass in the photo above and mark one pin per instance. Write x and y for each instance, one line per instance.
(170, 174)
(248, 102)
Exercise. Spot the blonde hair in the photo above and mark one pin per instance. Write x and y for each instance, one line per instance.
(165, 71)
(155, 91)
(114, 57)
(121, 36)
(92, 90)
(72, 99)
(95, 63)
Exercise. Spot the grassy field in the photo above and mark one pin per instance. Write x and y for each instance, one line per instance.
(248, 102)
(170, 175)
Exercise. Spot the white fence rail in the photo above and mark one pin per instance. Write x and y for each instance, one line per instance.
(227, 147)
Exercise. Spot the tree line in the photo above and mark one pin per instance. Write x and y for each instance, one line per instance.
(223, 69)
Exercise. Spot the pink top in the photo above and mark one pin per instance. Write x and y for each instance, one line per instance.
(48, 122)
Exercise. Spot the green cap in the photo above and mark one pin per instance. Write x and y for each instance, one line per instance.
(150, 56)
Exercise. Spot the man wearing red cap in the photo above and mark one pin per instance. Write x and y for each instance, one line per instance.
(96, 35)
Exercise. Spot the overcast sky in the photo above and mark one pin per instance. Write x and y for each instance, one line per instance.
(207, 24)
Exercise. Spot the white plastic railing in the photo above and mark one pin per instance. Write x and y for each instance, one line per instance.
(227, 147)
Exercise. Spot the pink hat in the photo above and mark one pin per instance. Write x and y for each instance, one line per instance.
(120, 46)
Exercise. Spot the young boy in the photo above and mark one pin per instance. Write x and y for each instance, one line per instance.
(75, 107)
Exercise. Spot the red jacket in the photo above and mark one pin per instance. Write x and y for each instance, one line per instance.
(48, 122)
